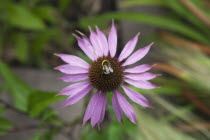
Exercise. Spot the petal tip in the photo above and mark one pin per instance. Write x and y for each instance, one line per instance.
(151, 106)
(112, 21)
(151, 44)
(57, 68)
(113, 25)
(55, 54)
(93, 125)
(96, 27)
(158, 74)
(154, 65)
(79, 33)
(76, 36)
(138, 34)
(120, 121)
(83, 124)
(64, 105)
(90, 29)
(59, 78)
(133, 120)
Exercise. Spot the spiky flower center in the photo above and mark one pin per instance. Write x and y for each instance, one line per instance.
(106, 74)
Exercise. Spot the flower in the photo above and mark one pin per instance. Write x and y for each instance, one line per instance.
(106, 74)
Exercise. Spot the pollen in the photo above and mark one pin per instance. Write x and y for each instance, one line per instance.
(106, 74)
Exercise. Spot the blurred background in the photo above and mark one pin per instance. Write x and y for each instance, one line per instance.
(31, 31)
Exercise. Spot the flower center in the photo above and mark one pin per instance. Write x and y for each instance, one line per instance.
(106, 74)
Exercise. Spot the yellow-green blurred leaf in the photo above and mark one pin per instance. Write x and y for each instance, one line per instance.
(21, 47)
(160, 21)
(21, 17)
(5, 125)
(39, 101)
(19, 90)
(128, 3)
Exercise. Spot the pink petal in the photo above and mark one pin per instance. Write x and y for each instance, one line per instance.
(139, 69)
(68, 69)
(126, 107)
(138, 55)
(91, 107)
(141, 84)
(77, 96)
(73, 60)
(96, 116)
(141, 76)
(116, 107)
(86, 47)
(103, 110)
(74, 88)
(136, 97)
(103, 40)
(112, 40)
(95, 42)
(74, 77)
(129, 47)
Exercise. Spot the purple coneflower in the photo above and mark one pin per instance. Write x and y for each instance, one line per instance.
(106, 74)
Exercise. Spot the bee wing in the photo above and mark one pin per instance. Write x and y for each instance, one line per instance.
(110, 69)
(106, 69)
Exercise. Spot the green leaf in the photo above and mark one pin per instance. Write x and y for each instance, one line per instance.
(112, 131)
(21, 17)
(46, 13)
(1, 43)
(63, 4)
(201, 5)
(39, 101)
(2, 109)
(154, 129)
(183, 112)
(129, 3)
(18, 88)
(46, 135)
(163, 22)
(50, 116)
(5, 125)
(21, 47)
(186, 14)
(39, 43)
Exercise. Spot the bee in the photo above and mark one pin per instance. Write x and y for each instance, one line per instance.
(106, 66)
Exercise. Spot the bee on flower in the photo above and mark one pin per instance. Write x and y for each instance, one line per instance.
(106, 74)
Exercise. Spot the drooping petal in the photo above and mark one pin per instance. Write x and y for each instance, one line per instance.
(116, 107)
(73, 60)
(141, 76)
(95, 42)
(97, 113)
(90, 108)
(77, 96)
(129, 47)
(68, 69)
(74, 77)
(103, 110)
(139, 69)
(102, 38)
(126, 107)
(74, 88)
(112, 40)
(86, 47)
(138, 55)
(136, 97)
(141, 84)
